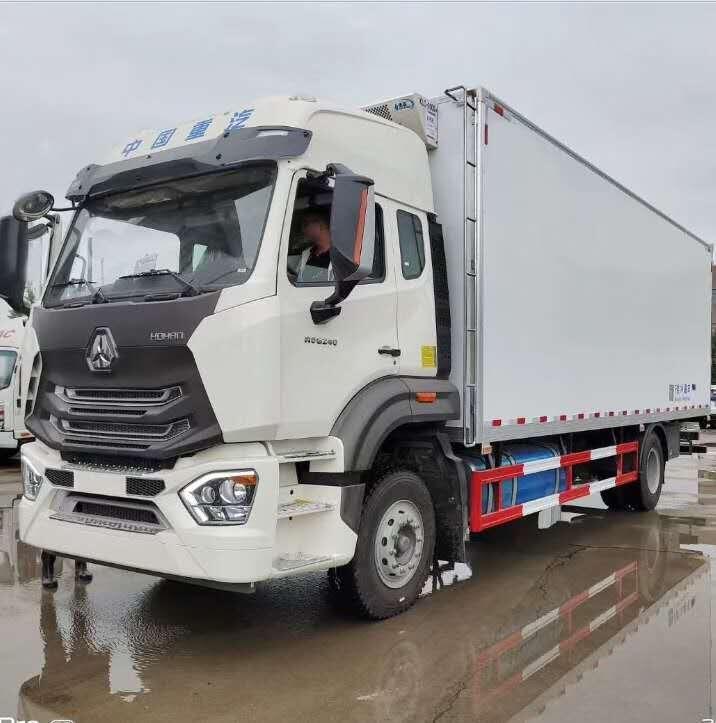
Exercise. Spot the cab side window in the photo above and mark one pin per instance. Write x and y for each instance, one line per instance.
(412, 246)
(308, 262)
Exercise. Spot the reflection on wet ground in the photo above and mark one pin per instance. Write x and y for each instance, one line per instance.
(604, 616)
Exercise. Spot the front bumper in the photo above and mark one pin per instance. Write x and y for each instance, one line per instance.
(229, 555)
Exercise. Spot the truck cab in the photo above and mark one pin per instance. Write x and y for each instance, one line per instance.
(190, 375)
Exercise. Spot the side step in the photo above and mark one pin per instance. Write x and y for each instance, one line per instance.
(294, 508)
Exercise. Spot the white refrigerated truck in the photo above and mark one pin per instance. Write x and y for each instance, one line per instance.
(298, 336)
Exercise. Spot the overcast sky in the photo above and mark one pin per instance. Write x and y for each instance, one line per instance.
(631, 87)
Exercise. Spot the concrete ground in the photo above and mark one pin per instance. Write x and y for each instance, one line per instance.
(604, 617)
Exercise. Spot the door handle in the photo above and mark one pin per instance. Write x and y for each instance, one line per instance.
(389, 351)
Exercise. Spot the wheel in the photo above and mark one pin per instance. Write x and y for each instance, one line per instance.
(396, 540)
(645, 492)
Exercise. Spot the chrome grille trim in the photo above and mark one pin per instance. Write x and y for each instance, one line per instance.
(97, 416)
(88, 429)
(91, 396)
(107, 523)
(112, 412)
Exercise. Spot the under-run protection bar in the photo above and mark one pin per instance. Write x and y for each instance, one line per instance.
(480, 520)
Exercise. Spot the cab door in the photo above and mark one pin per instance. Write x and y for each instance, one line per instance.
(416, 294)
(324, 365)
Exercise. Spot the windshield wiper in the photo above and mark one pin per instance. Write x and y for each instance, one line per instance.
(190, 289)
(74, 282)
(96, 298)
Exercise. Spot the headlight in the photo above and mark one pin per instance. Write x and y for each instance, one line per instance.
(221, 498)
(31, 480)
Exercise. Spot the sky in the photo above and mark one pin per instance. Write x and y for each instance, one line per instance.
(632, 87)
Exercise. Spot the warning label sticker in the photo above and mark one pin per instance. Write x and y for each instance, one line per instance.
(429, 356)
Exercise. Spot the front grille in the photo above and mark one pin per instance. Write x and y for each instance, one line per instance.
(109, 412)
(116, 512)
(118, 430)
(145, 397)
(144, 487)
(60, 477)
(108, 443)
(94, 416)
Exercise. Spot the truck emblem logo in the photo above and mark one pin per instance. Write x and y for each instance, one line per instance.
(102, 351)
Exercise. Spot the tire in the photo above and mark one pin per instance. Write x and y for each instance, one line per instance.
(389, 569)
(645, 492)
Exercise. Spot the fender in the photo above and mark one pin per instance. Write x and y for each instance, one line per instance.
(383, 406)
(669, 434)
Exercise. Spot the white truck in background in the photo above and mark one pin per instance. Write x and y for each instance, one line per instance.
(12, 332)
(498, 328)
(39, 242)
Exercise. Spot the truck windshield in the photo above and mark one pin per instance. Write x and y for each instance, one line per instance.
(7, 364)
(181, 237)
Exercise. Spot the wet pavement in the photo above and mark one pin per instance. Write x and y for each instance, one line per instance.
(604, 617)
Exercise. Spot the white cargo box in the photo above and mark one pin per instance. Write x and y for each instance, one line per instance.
(575, 304)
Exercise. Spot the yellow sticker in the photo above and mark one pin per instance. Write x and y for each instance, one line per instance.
(429, 356)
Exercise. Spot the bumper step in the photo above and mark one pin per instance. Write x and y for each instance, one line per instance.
(302, 507)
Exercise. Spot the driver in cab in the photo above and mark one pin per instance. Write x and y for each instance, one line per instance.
(315, 263)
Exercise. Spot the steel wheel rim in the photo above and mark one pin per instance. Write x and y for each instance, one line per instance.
(399, 541)
(652, 471)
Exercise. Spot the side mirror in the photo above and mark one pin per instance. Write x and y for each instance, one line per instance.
(352, 238)
(13, 262)
(33, 206)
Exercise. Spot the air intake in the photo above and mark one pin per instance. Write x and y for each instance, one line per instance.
(144, 487)
(60, 477)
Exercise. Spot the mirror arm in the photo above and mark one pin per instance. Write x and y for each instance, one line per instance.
(338, 169)
(323, 311)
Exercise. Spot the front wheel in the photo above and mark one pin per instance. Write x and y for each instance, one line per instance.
(395, 545)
